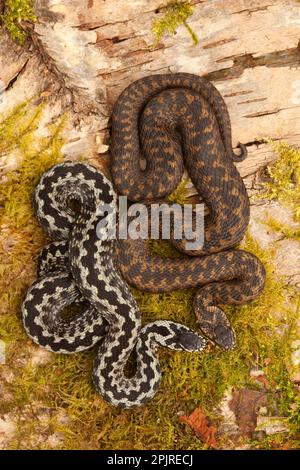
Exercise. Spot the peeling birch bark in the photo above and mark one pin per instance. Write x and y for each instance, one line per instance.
(87, 52)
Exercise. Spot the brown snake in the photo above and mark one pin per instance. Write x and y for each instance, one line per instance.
(172, 121)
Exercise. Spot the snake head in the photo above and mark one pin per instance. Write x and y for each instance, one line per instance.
(190, 341)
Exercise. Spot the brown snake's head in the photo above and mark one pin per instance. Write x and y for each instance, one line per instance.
(224, 337)
(214, 323)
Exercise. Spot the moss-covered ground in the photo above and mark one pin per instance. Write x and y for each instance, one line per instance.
(54, 405)
(16, 14)
(284, 184)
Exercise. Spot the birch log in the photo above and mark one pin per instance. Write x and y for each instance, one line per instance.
(86, 52)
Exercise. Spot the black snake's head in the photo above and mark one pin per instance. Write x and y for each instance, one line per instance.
(190, 341)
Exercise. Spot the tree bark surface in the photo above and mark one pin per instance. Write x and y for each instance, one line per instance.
(84, 53)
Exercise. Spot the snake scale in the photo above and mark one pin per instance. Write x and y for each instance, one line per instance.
(170, 121)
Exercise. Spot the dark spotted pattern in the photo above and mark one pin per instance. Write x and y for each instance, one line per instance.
(172, 121)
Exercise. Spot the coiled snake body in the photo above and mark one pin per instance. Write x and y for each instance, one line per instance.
(170, 121)
(81, 265)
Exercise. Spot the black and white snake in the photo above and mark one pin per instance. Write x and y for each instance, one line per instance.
(79, 266)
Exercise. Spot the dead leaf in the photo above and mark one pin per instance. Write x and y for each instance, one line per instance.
(245, 404)
(199, 423)
(263, 379)
(259, 376)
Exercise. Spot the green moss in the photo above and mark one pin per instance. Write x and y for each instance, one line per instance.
(35, 156)
(17, 12)
(284, 186)
(189, 380)
(64, 385)
(62, 389)
(21, 238)
(181, 194)
(175, 14)
(277, 442)
(285, 177)
(285, 230)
